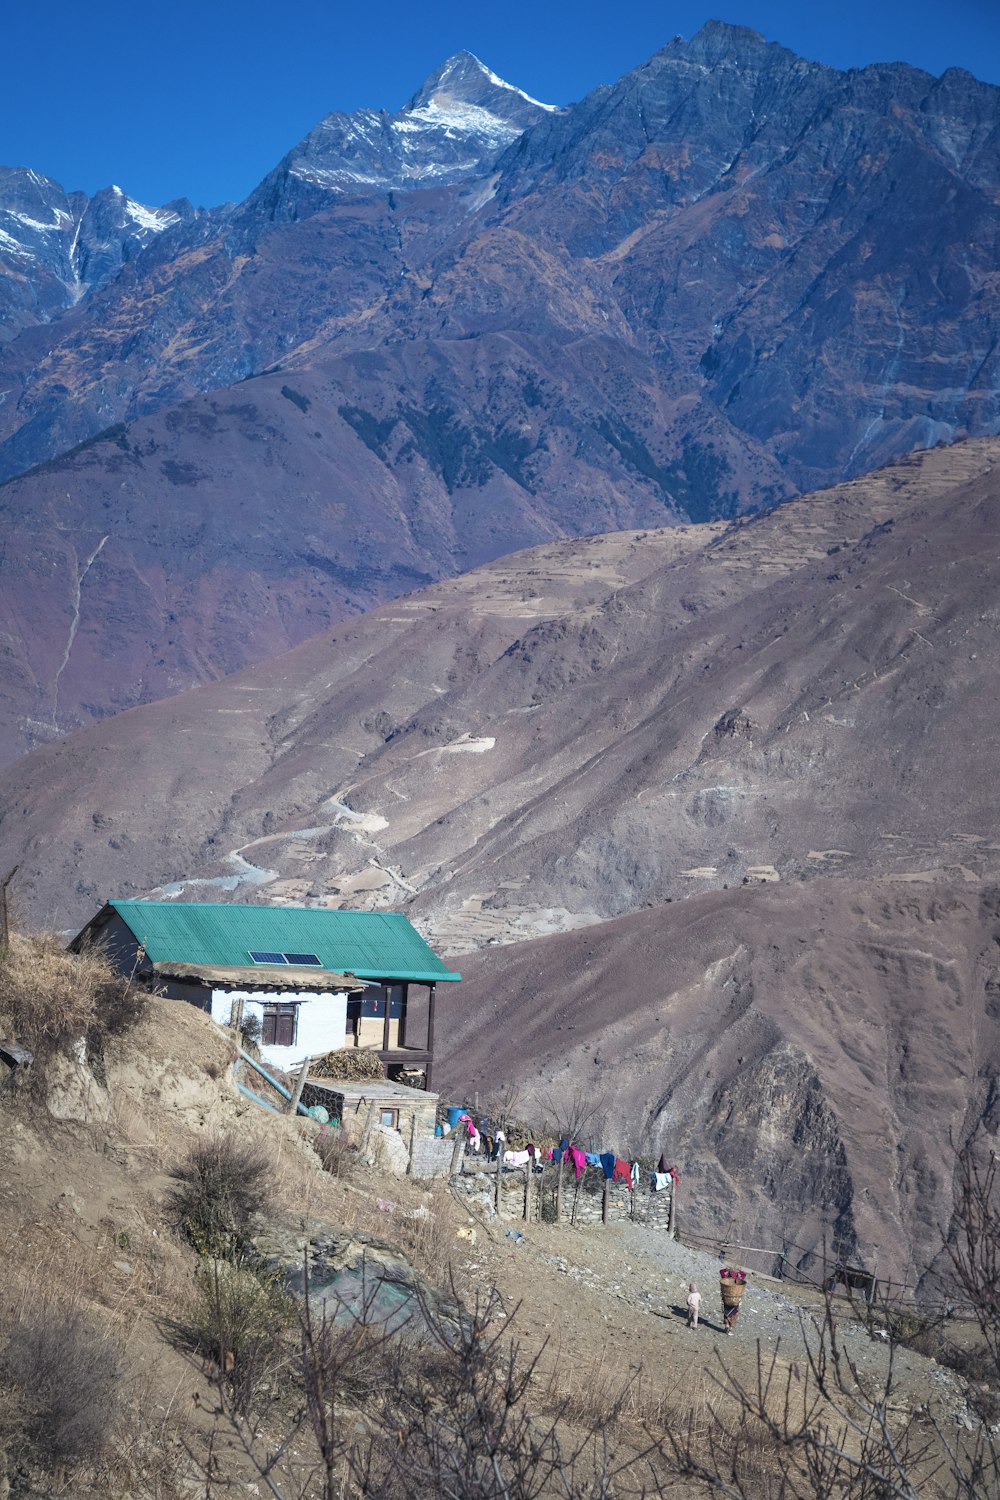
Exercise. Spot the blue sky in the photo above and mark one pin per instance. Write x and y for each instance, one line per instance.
(174, 98)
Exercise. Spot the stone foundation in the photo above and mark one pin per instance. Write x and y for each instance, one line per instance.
(532, 1196)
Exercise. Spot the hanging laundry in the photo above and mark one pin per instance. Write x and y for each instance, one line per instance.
(515, 1158)
(635, 1174)
(664, 1164)
(557, 1154)
(661, 1181)
(579, 1161)
(607, 1160)
(593, 1160)
(623, 1172)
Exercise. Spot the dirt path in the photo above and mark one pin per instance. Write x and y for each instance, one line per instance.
(609, 1303)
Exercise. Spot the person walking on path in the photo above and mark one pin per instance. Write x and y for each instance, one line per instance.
(733, 1285)
(693, 1304)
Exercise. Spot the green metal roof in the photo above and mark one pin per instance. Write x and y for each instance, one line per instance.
(368, 944)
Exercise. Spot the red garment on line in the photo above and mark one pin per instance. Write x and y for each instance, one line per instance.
(623, 1172)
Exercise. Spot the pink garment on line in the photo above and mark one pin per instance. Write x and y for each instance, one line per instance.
(579, 1160)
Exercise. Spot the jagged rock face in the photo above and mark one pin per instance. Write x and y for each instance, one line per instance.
(805, 1054)
(454, 128)
(808, 253)
(56, 247)
(729, 276)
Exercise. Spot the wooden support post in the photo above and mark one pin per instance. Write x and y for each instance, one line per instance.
(672, 1219)
(4, 917)
(385, 1022)
(413, 1137)
(527, 1190)
(604, 1201)
(559, 1190)
(499, 1182)
(541, 1195)
(293, 1103)
(430, 1033)
(459, 1151)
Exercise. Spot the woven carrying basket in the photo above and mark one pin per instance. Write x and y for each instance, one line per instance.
(732, 1291)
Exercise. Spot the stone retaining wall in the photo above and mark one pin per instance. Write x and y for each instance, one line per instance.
(431, 1157)
(582, 1201)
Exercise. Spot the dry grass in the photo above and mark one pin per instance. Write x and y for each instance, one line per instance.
(63, 1380)
(53, 1000)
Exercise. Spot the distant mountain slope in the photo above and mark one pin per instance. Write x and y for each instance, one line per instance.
(809, 1055)
(227, 529)
(569, 735)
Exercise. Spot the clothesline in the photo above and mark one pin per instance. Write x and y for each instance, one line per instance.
(614, 1167)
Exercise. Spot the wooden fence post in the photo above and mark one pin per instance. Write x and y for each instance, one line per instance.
(499, 1182)
(413, 1138)
(604, 1202)
(527, 1188)
(4, 921)
(459, 1151)
(672, 1218)
(293, 1103)
(559, 1191)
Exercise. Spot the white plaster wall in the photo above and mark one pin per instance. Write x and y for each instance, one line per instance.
(322, 1019)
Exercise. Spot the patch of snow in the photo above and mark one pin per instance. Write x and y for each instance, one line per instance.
(216, 882)
(454, 115)
(31, 223)
(14, 246)
(474, 745)
(156, 219)
(501, 83)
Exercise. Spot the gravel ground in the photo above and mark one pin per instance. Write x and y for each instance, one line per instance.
(622, 1289)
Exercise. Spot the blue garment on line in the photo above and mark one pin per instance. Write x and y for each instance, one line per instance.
(607, 1160)
(593, 1160)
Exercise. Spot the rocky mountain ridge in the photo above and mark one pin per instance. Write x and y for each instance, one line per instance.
(728, 277)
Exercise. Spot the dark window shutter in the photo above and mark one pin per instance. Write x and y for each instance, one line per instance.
(280, 1025)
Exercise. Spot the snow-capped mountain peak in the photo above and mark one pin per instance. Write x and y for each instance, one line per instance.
(464, 80)
(454, 128)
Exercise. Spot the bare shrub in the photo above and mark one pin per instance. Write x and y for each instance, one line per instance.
(237, 1320)
(572, 1114)
(460, 1415)
(502, 1104)
(63, 1385)
(219, 1188)
(335, 1150)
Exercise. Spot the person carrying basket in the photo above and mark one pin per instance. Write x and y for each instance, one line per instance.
(733, 1283)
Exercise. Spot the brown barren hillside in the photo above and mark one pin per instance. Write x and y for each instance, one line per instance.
(790, 720)
(807, 1055)
(571, 734)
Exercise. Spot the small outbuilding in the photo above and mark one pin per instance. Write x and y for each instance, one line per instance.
(316, 979)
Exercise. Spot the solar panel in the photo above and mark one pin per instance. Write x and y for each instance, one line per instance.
(309, 959)
(263, 957)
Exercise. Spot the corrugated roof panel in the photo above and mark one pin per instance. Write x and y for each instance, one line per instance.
(370, 944)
